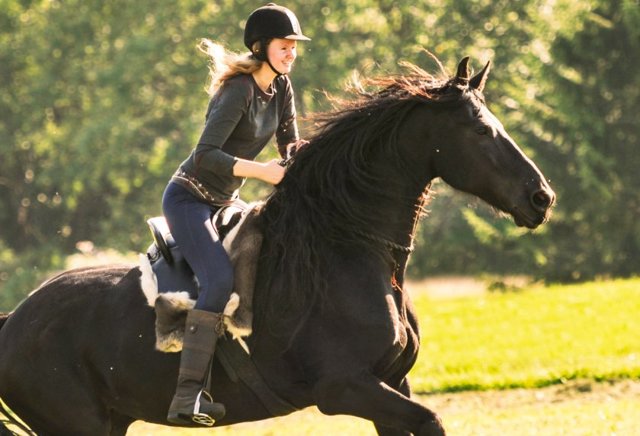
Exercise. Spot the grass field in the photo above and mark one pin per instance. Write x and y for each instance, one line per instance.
(531, 338)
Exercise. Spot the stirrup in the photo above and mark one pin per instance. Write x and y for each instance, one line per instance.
(199, 417)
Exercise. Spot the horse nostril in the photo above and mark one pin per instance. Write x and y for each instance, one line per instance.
(541, 200)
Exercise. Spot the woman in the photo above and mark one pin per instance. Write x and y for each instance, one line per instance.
(252, 100)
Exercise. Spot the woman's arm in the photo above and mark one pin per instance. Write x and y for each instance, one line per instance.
(287, 132)
(225, 111)
(270, 172)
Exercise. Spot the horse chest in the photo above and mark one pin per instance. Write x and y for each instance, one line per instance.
(386, 329)
(399, 325)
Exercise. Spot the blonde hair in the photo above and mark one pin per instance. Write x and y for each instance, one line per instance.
(224, 64)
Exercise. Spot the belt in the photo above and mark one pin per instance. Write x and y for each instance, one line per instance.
(195, 187)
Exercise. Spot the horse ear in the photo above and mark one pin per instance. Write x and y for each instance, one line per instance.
(462, 76)
(478, 81)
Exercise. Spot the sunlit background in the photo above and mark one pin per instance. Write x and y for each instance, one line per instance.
(101, 100)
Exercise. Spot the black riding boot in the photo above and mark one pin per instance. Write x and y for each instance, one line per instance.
(191, 402)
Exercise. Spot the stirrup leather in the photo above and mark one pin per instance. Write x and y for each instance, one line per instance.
(199, 417)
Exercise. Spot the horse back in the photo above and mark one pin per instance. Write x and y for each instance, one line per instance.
(80, 344)
(73, 302)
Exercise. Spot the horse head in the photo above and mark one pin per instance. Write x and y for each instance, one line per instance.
(470, 150)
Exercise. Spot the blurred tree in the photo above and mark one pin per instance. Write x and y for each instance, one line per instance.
(590, 136)
(100, 101)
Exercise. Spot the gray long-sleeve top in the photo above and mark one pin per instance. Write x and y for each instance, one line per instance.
(240, 121)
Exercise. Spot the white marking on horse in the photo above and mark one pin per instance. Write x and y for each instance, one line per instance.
(148, 280)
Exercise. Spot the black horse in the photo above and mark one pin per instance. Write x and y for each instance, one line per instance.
(334, 327)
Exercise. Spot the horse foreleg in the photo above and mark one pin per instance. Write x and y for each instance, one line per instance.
(367, 397)
(383, 430)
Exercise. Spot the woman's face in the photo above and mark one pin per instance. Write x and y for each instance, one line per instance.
(282, 53)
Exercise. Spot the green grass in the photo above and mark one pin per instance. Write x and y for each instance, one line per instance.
(531, 338)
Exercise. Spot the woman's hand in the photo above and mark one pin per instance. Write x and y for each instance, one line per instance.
(273, 173)
(293, 147)
(270, 172)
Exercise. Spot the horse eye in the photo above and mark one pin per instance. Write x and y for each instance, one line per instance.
(482, 130)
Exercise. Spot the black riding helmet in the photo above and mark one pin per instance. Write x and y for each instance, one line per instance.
(268, 22)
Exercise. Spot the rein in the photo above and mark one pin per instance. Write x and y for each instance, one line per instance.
(394, 246)
(386, 242)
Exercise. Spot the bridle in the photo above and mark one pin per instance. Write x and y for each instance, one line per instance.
(394, 246)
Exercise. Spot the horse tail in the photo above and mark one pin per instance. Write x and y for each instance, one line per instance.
(9, 419)
(6, 417)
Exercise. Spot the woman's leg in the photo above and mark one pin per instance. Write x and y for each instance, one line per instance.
(190, 223)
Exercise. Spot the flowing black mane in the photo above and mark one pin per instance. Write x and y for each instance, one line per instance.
(333, 192)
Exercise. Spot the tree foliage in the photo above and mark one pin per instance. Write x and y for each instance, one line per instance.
(100, 101)
(590, 144)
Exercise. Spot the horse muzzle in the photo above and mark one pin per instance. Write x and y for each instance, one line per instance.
(537, 210)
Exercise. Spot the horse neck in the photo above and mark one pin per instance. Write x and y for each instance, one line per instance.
(401, 207)
(409, 175)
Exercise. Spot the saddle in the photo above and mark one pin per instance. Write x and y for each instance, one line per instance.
(171, 287)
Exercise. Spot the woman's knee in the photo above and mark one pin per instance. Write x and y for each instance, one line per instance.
(223, 281)
(215, 294)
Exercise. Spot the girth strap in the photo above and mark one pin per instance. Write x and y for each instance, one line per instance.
(239, 365)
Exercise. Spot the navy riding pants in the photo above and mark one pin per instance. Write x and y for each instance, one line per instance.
(189, 220)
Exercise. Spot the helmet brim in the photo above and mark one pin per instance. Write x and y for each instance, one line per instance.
(296, 37)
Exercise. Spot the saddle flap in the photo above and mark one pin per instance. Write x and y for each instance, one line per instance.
(242, 231)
